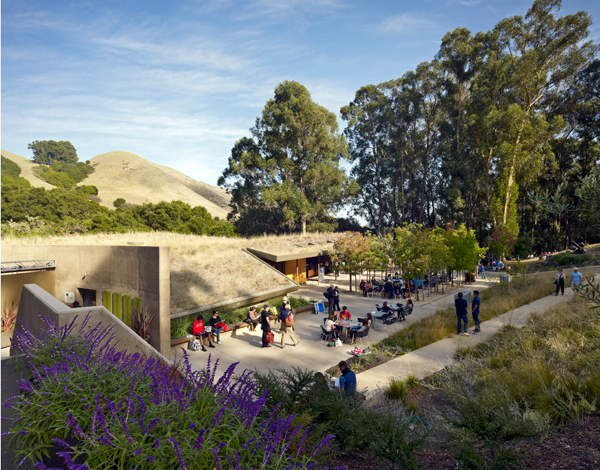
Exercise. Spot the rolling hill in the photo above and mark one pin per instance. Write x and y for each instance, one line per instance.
(125, 175)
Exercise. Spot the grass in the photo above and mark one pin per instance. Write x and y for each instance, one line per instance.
(495, 301)
(183, 325)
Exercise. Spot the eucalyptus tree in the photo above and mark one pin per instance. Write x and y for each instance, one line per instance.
(289, 171)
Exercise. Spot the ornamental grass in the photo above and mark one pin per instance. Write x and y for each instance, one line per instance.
(94, 407)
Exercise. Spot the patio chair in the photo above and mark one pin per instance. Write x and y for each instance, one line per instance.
(319, 307)
(362, 334)
(327, 335)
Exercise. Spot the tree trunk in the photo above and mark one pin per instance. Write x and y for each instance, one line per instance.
(303, 226)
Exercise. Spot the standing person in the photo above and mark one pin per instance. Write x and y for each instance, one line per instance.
(483, 271)
(214, 321)
(363, 287)
(475, 309)
(347, 380)
(560, 281)
(336, 297)
(576, 277)
(201, 333)
(265, 325)
(461, 313)
(286, 314)
(330, 298)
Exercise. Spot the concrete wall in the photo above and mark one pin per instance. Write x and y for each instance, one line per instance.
(14, 282)
(140, 271)
(35, 300)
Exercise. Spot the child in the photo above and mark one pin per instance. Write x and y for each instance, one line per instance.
(201, 333)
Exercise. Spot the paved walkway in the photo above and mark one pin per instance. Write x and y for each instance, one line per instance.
(244, 346)
(434, 357)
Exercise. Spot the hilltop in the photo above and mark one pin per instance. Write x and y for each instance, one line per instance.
(120, 174)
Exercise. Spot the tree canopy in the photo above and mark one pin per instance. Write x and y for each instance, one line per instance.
(287, 176)
(46, 152)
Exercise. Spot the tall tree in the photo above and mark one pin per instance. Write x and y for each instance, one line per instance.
(46, 152)
(290, 167)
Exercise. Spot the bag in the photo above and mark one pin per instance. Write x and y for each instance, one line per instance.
(338, 343)
(270, 337)
(556, 282)
(326, 295)
(289, 321)
(195, 345)
(331, 344)
(225, 327)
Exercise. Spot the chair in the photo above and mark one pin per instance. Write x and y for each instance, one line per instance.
(319, 307)
(378, 307)
(327, 335)
(362, 334)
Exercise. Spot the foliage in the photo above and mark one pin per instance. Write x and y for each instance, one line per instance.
(64, 175)
(590, 291)
(46, 152)
(396, 390)
(385, 431)
(119, 202)
(464, 248)
(288, 173)
(90, 190)
(128, 411)
(11, 174)
(350, 249)
(568, 258)
(141, 319)
(9, 316)
(503, 242)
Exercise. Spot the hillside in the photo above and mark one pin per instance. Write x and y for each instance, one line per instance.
(27, 170)
(125, 175)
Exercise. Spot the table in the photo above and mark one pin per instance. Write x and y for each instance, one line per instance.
(345, 324)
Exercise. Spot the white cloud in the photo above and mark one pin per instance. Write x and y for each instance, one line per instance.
(404, 23)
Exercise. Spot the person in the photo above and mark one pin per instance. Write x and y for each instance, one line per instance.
(76, 305)
(576, 277)
(265, 325)
(200, 332)
(388, 288)
(461, 313)
(345, 314)
(214, 321)
(387, 309)
(482, 268)
(363, 287)
(336, 298)
(251, 318)
(330, 298)
(475, 309)
(330, 325)
(560, 281)
(347, 380)
(286, 313)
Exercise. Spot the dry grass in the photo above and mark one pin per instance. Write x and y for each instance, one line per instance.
(204, 270)
(282, 244)
(496, 300)
(27, 170)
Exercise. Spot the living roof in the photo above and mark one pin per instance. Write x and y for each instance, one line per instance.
(204, 270)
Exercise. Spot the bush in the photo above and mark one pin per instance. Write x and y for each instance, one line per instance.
(396, 390)
(567, 258)
(106, 409)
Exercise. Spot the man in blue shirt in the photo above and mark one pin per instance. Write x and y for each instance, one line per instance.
(347, 380)
(461, 313)
(475, 310)
(576, 277)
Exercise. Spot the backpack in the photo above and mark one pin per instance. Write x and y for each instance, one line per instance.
(194, 345)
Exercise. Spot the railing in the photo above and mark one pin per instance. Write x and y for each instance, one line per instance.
(27, 265)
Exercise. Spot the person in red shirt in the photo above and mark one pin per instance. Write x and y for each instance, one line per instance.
(201, 333)
(345, 314)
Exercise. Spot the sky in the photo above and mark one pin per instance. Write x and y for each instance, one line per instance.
(179, 82)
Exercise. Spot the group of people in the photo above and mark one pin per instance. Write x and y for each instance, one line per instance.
(284, 316)
(213, 329)
(332, 325)
(461, 305)
(576, 277)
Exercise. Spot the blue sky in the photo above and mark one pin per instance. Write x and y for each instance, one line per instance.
(179, 82)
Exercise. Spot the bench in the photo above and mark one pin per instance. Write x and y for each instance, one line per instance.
(181, 340)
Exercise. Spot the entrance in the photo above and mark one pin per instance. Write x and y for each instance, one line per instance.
(88, 296)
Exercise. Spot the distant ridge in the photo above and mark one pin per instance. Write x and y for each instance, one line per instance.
(126, 175)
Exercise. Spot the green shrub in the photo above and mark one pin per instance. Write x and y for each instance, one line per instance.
(396, 390)
(567, 258)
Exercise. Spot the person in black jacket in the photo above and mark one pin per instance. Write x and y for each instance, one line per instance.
(265, 325)
(215, 320)
(336, 299)
(330, 299)
(461, 313)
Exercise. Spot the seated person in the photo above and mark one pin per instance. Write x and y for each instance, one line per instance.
(408, 308)
(200, 332)
(214, 321)
(363, 287)
(387, 309)
(251, 318)
(388, 288)
(330, 326)
(345, 314)
(360, 331)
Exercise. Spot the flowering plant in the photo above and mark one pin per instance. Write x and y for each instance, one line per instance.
(96, 407)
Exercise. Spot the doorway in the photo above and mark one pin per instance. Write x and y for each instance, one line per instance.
(88, 296)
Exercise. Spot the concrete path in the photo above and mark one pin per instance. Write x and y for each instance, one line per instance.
(434, 357)
(244, 346)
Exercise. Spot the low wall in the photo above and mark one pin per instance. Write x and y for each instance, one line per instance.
(36, 301)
